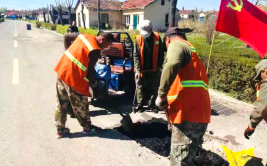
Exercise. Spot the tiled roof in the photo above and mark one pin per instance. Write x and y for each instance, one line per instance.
(185, 11)
(213, 12)
(136, 4)
(104, 5)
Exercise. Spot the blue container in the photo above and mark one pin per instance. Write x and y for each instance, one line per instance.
(29, 26)
(103, 73)
(116, 82)
(119, 62)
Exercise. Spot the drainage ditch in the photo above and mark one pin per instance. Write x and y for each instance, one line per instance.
(155, 136)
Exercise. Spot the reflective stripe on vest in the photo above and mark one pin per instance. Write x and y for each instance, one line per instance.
(74, 60)
(193, 49)
(258, 90)
(86, 42)
(191, 84)
(194, 84)
(86, 79)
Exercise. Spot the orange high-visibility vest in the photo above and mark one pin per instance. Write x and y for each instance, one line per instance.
(188, 96)
(140, 42)
(72, 67)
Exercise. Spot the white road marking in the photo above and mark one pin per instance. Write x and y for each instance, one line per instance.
(15, 79)
(15, 43)
(16, 34)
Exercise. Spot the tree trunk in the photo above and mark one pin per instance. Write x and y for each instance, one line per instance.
(60, 16)
(69, 15)
(44, 17)
(99, 17)
(173, 4)
(53, 20)
(83, 18)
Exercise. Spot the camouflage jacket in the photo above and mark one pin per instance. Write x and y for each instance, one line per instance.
(260, 110)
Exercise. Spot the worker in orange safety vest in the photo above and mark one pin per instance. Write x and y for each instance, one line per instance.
(184, 95)
(148, 60)
(75, 72)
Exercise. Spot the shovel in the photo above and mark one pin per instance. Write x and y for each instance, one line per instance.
(126, 122)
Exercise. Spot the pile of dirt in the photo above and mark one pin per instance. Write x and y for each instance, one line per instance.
(155, 136)
(208, 158)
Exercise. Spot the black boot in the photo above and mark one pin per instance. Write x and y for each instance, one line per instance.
(139, 108)
(154, 109)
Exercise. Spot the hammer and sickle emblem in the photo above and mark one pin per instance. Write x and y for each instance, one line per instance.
(237, 6)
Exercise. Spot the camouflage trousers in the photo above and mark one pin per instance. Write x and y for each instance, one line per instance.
(186, 138)
(68, 98)
(147, 88)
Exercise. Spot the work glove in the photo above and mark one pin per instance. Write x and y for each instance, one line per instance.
(162, 102)
(137, 77)
(248, 132)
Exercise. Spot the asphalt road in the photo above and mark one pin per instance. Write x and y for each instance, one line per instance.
(27, 104)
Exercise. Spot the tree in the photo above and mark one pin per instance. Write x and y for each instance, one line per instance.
(2, 10)
(69, 4)
(173, 9)
(257, 2)
(44, 12)
(60, 5)
(83, 14)
(48, 11)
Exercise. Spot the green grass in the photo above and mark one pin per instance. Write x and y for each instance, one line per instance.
(231, 68)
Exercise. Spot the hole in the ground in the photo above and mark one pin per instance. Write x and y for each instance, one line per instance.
(155, 136)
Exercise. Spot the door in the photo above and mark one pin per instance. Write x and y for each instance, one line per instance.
(135, 22)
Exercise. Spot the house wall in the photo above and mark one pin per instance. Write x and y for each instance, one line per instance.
(113, 16)
(86, 13)
(156, 13)
(41, 17)
(133, 12)
(184, 16)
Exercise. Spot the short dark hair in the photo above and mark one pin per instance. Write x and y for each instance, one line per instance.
(173, 32)
(182, 35)
(108, 36)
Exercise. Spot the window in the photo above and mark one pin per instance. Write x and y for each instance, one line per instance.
(167, 20)
(162, 2)
(127, 19)
(104, 18)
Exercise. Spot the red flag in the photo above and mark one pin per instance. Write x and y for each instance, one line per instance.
(245, 21)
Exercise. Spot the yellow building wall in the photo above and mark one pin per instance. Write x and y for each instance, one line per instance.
(114, 17)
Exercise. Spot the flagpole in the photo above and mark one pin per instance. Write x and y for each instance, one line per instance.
(210, 51)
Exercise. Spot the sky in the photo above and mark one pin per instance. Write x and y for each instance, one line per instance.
(34, 4)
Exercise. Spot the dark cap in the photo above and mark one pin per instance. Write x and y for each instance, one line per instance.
(169, 32)
(173, 31)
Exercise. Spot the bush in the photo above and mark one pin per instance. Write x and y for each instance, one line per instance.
(2, 20)
(62, 29)
(43, 24)
(231, 70)
(51, 26)
(91, 31)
